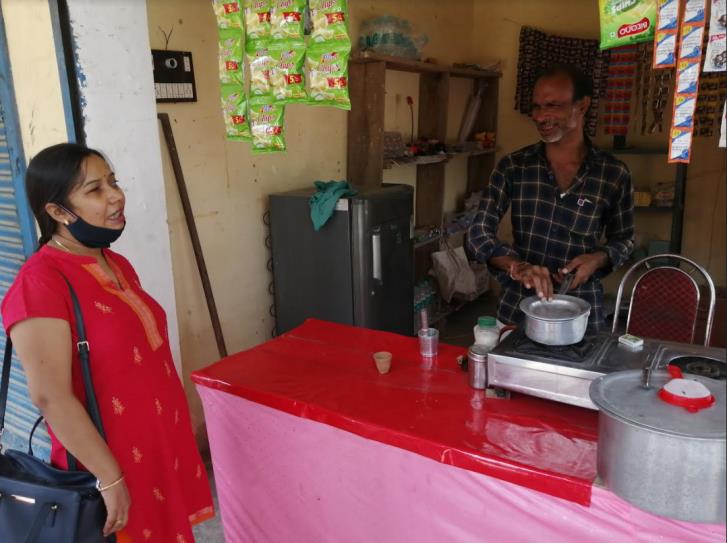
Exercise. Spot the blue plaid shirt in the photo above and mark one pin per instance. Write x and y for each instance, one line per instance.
(551, 228)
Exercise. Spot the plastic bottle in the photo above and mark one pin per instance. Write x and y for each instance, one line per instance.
(486, 332)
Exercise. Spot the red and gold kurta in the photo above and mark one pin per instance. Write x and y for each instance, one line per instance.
(141, 399)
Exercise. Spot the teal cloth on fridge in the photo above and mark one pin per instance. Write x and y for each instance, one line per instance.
(323, 202)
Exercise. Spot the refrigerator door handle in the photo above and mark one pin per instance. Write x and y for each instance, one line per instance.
(376, 255)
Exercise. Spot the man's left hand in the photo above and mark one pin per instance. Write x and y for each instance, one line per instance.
(584, 266)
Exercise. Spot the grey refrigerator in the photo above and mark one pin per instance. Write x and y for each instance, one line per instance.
(357, 269)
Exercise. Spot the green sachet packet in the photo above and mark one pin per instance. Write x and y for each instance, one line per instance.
(287, 19)
(228, 13)
(260, 62)
(266, 124)
(327, 74)
(287, 79)
(330, 21)
(257, 19)
(234, 110)
(230, 58)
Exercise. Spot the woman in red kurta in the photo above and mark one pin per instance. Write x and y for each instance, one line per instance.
(141, 399)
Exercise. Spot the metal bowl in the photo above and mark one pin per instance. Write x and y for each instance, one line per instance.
(560, 321)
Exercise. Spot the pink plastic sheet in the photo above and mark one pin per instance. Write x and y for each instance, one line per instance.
(284, 478)
(324, 372)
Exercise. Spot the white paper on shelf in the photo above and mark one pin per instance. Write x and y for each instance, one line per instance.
(716, 58)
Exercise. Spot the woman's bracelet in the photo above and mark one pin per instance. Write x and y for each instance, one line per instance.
(103, 488)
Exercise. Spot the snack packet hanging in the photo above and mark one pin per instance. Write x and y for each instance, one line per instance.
(228, 13)
(257, 19)
(287, 79)
(234, 110)
(230, 57)
(330, 21)
(327, 75)
(260, 63)
(625, 22)
(286, 19)
(266, 125)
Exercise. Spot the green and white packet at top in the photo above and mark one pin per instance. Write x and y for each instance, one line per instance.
(625, 22)
(230, 58)
(228, 13)
(266, 124)
(287, 19)
(327, 74)
(257, 18)
(330, 21)
(260, 62)
(287, 79)
(234, 110)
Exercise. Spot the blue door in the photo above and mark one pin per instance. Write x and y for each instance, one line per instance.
(17, 242)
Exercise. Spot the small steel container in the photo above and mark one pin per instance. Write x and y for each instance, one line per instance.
(477, 366)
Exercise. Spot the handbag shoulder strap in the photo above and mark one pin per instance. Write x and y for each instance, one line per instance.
(83, 352)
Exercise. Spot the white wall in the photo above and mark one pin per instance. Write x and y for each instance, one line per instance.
(114, 64)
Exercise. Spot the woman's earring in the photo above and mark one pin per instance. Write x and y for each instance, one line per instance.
(65, 221)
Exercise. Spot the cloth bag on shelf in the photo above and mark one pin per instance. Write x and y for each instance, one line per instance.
(38, 502)
(453, 272)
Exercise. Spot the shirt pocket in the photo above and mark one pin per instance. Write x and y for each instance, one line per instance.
(586, 210)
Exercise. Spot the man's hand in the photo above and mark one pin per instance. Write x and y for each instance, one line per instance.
(584, 266)
(537, 277)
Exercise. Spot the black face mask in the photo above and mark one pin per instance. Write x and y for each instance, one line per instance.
(95, 237)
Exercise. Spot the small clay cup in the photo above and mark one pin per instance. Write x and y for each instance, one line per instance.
(383, 362)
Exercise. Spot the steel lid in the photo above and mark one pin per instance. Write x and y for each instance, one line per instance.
(478, 353)
(620, 395)
(561, 308)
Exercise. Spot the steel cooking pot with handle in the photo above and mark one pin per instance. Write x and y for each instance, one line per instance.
(560, 321)
(664, 458)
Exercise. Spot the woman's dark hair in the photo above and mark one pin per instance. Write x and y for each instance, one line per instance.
(50, 178)
(582, 83)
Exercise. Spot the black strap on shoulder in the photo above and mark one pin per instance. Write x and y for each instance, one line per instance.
(83, 352)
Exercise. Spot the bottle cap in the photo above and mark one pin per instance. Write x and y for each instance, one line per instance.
(486, 322)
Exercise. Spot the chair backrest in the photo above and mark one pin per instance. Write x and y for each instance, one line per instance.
(665, 299)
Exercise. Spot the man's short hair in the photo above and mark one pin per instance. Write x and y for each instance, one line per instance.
(582, 83)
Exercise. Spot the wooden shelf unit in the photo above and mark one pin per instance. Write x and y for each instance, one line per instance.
(367, 87)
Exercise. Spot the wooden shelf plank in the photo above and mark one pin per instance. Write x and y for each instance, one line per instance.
(408, 65)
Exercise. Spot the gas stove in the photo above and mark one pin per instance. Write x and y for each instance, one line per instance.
(564, 374)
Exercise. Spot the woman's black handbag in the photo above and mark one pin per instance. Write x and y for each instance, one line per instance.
(40, 503)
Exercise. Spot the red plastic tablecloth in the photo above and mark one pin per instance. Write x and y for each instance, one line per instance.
(324, 372)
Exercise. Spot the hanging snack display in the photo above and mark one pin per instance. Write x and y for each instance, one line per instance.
(643, 81)
(538, 50)
(687, 83)
(667, 30)
(228, 13)
(257, 19)
(286, 74)
(619, 82)
(287, 19)
(260, 62)
(266, 124)
(712, 94)
(330, 21)
(659, 94)
(231, 69)
(716, 57)
(626, 22)
(327, 74)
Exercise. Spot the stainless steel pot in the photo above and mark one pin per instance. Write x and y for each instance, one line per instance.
(658, 456)
(560, 321)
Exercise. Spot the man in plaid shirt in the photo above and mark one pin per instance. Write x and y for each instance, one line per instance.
(565, 196)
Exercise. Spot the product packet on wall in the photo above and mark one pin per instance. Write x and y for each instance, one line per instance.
(680, 145)
(228, 13)
(691, 44)
(330, 21)
(257, 19)
(694, 12)
(286, 75)
(665, 39)
(230, 58)
(327, 74)
(287, 19)
(687, 77)
(266, 124)
(715, 59)
(234, 109)
(684, 106)
(626, 22)
(260, 63)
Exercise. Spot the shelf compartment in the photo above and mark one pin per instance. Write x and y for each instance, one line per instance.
(416, 66)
